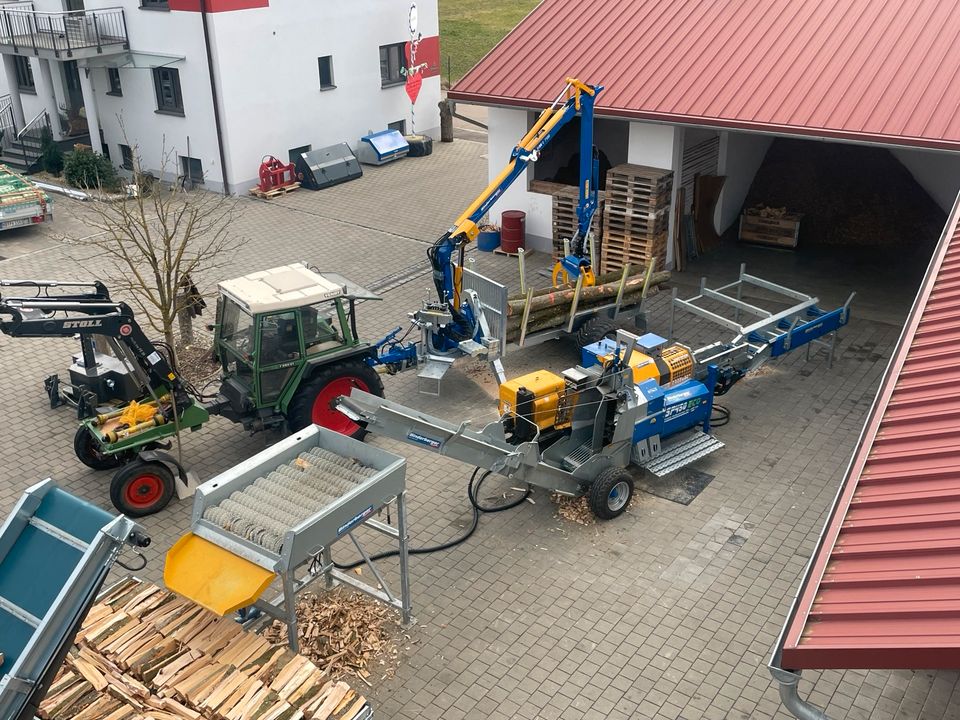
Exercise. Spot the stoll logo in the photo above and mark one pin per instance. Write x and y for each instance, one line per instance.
(424, 440)
(69, 324)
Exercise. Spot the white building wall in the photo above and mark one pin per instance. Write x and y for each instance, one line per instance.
(936, 172)
(741, 155)
(269, 77)
(506, 128)
(659, 146)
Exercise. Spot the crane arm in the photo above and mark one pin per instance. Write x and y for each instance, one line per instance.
(577, 98)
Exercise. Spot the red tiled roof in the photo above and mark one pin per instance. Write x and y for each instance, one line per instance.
(866, 70)
(883, 587)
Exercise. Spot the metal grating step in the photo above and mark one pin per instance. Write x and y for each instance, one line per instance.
(682, 452)
(578, 456)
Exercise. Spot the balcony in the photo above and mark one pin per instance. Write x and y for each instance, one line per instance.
(62, 35)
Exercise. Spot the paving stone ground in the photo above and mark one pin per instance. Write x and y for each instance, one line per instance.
(667, 612)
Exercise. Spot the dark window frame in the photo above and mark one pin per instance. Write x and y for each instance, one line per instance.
(24, 72)
(187, 169)
(113, 80)
(393, 63)
(126, 157)
(330, 83)
(169, 95)
(104, 145)
(162, 5)
(399, 125)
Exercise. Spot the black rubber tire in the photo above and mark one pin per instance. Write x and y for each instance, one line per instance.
(601, 497)
(420, 145)
(87, 450)
(300, 411)
(151, 481)
(596, 329)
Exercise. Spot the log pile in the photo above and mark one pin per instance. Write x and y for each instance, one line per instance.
(343, 633)
(145, 653)
(550, 307)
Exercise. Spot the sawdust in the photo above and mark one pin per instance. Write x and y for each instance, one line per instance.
(480, 373)
(344, 633)
(762, 371)
(577, 510)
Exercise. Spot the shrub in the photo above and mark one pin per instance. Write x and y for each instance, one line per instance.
(88, 170)
(51, 156)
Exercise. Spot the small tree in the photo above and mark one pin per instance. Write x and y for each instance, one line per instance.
(159, 242)
(89, 170)
(51, 156)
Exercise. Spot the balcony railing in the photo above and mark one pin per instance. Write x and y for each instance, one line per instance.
(62, 33)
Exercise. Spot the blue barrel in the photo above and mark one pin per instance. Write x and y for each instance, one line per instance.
(488, 240)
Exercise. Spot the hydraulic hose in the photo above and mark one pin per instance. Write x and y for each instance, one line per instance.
(475, 507)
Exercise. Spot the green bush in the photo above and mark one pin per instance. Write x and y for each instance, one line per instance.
(88, 170)
(51, 156)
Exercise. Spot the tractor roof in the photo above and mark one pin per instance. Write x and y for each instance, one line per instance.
(282, 288)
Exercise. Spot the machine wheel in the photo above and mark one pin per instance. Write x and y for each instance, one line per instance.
(313, 403)
(142, 488)
(596, 329)
(610, 493)
(88, 451)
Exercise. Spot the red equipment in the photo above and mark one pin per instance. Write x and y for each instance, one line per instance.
(273, 174)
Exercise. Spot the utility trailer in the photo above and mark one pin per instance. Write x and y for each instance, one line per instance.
(21, 202)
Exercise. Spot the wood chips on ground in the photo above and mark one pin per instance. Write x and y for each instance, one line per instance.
(344, 633)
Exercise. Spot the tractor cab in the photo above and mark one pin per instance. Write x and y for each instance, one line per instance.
(274, 329)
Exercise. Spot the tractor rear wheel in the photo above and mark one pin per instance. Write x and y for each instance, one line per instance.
(610, 493)
(88, 451)
(596, 329)
(315, 400)
(142, 488)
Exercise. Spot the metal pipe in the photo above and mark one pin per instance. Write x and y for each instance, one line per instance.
(214, 97)
(791, 699)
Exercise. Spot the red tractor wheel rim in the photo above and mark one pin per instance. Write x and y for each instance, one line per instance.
(143, 491)
(325, 415)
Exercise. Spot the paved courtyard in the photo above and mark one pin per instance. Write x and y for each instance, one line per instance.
(668, 612)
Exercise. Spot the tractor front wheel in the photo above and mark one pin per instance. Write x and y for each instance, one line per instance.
(315, 401)
(610, 493)
(142, 488)
(88, 451)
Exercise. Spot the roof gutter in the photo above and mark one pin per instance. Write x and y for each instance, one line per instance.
(215, 97)
(798, 707)
(819, 134)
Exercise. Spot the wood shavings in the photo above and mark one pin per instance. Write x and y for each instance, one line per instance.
(344, 633)
(573, 509)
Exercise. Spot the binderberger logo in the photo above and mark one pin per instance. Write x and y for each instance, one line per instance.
(69, 324)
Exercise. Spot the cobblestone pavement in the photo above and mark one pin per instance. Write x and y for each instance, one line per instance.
(667, 612)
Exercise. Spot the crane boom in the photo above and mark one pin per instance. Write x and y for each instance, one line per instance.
(577, 98)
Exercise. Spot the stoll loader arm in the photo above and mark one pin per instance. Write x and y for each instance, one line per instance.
(453, 319)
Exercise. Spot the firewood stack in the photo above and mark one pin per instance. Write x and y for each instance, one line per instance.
(636, 216)
(146, 653)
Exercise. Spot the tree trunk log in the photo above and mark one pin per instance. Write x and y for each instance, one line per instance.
(587, 294)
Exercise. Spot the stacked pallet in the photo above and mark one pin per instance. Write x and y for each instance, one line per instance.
(145, 653)
(566, 222)
(636, 216)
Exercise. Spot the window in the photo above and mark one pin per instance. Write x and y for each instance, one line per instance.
(392, 64)
(166, 81)
(191, 169)
(326, 72)
(24, 74)
(321, 328)
(295, 153)
(400, 126)
(104, 145)
(126, 155)
(154, 4)
(113, 76)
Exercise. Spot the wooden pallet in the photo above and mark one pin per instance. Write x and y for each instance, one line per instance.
(778, 232)
(275, 192)
(526, 253)
(145, 653)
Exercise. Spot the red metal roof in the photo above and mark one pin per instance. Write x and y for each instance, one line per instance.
(883, 588)
(866, 70)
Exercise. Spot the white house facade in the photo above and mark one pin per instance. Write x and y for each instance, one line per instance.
(204, 89)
